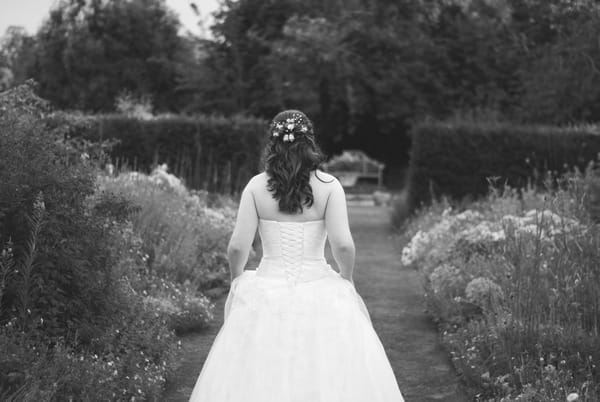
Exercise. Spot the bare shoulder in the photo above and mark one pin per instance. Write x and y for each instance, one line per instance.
(257, 181)
(324, 177)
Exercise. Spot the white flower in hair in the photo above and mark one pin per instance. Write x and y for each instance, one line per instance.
(286, 137)
(290, 126)
(304, 129)
(275, 133)
(291, 137)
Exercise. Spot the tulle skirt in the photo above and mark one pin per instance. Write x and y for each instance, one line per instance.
(309, 341)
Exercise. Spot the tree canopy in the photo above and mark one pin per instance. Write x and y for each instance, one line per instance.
(364, 70)
(88, 52)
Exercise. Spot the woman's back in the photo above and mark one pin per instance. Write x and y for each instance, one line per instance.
(329, 205)
(294, 320)
(267, 206)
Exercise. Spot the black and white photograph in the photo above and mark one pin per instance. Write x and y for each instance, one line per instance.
(299, 200)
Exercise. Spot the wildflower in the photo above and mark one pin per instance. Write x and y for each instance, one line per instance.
(444, 276)
(482, 291)
(572, 397)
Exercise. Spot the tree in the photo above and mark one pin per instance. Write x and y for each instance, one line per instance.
(561, 85)
(88, 52)
(16, 53)
(366, 71)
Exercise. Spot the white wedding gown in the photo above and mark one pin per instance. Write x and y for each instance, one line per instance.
(295, 330)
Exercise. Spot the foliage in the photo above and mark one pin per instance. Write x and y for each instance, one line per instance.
(59, 249)
(183, 240)
(366, 72)
(80, 309)
(457, 159)
(16, 53)
(212, 153)
(513, 283)
(87, 52)
(132, 106)
(559, 79)
(130, 357)
(342, 65)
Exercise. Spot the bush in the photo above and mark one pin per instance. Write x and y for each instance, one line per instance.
(185, 240)
(127, 358)
(513, 283)
(179, 306)
(74, 321)
(457, 159)
(58, 266)
(212, 153)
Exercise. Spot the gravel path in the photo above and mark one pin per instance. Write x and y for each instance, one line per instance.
(394, 299)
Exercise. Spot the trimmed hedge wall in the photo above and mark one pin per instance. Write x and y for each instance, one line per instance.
(218, 154)
(456, 159)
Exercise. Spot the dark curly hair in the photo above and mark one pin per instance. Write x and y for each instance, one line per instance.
(288, 158)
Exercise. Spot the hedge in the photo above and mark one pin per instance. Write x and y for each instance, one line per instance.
(457, 159)
(214, 153)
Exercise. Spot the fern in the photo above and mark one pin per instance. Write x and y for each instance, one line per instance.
(28, 263)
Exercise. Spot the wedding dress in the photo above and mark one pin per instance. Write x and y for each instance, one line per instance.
(295, 330)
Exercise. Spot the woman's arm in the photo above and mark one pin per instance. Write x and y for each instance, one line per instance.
(338, 231)
(243, 233)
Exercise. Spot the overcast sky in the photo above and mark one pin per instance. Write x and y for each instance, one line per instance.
(31, 13)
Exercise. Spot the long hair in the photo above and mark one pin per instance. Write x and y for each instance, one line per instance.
(290, 155)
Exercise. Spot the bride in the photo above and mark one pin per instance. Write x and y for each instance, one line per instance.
(295, 330)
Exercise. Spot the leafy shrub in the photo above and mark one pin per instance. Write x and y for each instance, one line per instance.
(216, 154)
(130, 357)
(184, 239)
(180, 307)
(59, 249)
(457, 159)
(74, 319)
(513, 283)
(33, 371)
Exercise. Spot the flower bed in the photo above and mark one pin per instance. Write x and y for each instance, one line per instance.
(183, 233)
(95, 283)
(514, 283)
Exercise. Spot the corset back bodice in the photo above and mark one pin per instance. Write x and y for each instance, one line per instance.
(293, 250)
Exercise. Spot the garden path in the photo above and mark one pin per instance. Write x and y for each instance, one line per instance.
(393, 296)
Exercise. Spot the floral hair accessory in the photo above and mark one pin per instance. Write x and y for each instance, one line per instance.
(291, 128)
